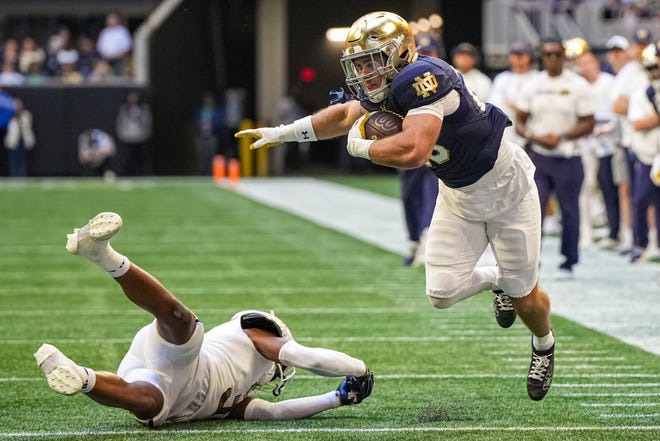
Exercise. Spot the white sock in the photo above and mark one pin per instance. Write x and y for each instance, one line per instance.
(90, 382)
(543, 343)
(321, 361)
(112, 262)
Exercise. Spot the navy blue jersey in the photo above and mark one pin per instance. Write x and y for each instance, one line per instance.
(470, 137)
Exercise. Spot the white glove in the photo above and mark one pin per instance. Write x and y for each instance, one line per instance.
(655, 171)
(357, 146)
(301, 130)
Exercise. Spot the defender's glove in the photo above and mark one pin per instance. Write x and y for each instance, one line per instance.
(301, 130)
(357, 146)
(355, 389)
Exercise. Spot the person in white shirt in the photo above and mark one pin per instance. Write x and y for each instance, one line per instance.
(508, 84)
(173, 371)
(465, 58)
(630, 75)
(553, 111)
(599, 148)
(114, 43)
(645, 146)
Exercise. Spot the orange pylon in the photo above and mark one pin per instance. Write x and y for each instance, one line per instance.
(219, 169)
(234, 172)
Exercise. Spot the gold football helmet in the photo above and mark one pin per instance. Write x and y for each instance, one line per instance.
(651, 60)
(574, 47)
(378, 46)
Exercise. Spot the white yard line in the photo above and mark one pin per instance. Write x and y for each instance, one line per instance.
(402, 430)
(608, 294)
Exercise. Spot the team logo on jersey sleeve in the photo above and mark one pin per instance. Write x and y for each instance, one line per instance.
(426, 85)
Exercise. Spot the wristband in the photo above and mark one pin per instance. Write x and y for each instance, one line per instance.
(300, 130)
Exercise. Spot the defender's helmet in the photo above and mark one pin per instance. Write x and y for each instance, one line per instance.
(378, 44)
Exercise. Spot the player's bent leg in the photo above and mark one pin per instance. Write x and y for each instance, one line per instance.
(453, 249)
(142, 399)
(176, 323)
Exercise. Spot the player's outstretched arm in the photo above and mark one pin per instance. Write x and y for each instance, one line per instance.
(328, 123)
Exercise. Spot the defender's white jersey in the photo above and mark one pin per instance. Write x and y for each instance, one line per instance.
(554, 105)
(204, 378)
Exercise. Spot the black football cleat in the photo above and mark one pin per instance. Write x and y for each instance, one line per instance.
(541, 371)
(504, 312)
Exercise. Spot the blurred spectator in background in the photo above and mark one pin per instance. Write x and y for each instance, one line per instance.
(35, 75)
(133, 132)
(209, 124)
(67, 60)
(9, 76)
(599, 146)
(114, 43)
(507, 85)
(56, 42)
(19, 139)
(87, 56)
(95, 149)
(465, 58)
(235, 103)
(10, 53)
(553, 111)
(30, 53)
(7, 109)
(102, 71)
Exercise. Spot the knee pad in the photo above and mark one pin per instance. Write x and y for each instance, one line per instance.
(442, 290)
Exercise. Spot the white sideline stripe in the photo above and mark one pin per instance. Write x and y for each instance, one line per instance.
(621, 304)
(633, 385)
(331, 430)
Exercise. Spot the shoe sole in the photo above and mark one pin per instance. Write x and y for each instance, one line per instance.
(104, 225)
(64, 380)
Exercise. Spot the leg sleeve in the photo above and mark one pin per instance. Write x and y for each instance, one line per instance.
(259, 409)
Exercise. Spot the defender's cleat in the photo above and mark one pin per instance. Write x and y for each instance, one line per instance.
(355, 389)
(61, 373)
(91, 240)
(504, 312)
(541, 371)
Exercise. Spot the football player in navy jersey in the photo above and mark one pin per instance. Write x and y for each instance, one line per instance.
(487, 192)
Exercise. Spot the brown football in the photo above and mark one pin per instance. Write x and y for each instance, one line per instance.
(382, 124)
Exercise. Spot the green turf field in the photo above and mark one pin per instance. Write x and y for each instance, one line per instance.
(450, 374)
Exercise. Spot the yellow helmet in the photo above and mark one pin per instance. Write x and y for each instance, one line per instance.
(381, 43)
(650, 56)
(574, 47)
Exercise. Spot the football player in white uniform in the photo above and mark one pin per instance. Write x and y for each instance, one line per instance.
(487, 193)
(173, 371)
